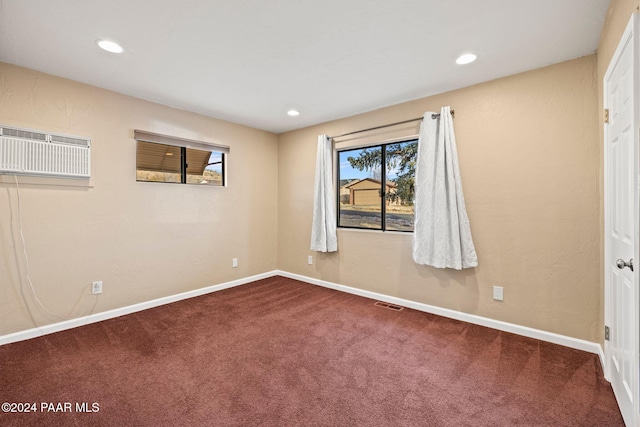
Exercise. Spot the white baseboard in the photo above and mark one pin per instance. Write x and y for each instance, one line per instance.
(98, 317)
(551, 337)
(601, 355)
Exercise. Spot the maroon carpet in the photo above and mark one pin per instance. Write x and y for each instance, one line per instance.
(279, 352)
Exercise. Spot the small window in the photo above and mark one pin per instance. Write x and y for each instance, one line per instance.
(204, 167)
(179, 161)
(364, 201)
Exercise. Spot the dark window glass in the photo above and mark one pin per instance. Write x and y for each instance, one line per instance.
(169, 163)
(360, 190)
(400, 176)
(364, 201)
(204, 167)
(157, 162)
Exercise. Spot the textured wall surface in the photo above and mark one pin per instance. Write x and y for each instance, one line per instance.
(528, 151)
(144, 240)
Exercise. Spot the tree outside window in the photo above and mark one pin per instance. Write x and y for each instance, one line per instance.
(364, 201)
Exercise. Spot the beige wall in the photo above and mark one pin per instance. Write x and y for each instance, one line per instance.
(618, 16)
(144, 240)
(529, 158)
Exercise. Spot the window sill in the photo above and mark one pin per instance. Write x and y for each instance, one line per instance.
(33, 180)
(371, 231)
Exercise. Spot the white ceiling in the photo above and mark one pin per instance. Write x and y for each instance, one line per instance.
(249, 61)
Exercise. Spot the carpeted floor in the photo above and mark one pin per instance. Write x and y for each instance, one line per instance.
(279, 352)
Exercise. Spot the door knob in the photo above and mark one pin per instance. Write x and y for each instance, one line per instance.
(622, 264)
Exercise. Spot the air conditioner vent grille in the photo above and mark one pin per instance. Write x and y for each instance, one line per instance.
(69, 140)
(24, 134)
(29, 152)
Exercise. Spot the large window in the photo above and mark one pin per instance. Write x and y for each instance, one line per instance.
(374, 196)
(185, 164)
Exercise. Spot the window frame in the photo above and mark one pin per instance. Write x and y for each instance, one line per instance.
(184, 145)
(383, 182)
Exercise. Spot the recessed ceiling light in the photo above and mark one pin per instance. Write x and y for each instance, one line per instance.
(169, 154)
(110, 46)
(467, 58)
(293, 113)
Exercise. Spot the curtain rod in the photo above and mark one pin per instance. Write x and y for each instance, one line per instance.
(433, 116)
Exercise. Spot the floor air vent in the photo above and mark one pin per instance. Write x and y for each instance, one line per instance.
(389, 306)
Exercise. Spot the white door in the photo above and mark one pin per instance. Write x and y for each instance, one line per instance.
(621, 224)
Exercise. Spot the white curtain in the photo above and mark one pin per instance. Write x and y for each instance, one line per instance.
(323, 228)
(442, 234)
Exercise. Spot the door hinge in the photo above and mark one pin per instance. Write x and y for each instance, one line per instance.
(606, 115)
(606, 333)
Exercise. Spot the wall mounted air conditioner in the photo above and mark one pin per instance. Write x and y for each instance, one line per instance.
(34, 152)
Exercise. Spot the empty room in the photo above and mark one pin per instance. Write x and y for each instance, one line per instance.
(337, 213)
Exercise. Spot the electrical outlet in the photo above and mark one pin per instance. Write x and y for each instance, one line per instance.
(310, 260)
(234, 262)
(498, 293)
(96, 287)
